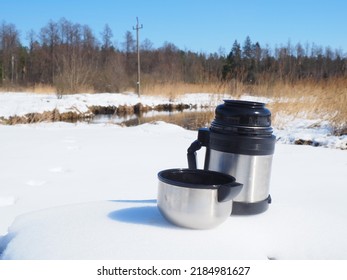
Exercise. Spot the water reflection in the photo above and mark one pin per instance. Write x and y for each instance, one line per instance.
(189, 119)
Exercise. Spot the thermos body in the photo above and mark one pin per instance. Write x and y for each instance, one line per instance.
(253, 171)
(240, 143)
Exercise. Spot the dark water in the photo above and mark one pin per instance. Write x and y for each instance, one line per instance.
(189, 119)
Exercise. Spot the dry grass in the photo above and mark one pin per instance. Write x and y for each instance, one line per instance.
(44, 89)
(190, 120)
(174, 90)
(37, 88)
(326, 100)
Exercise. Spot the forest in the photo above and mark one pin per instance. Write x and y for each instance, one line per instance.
(71, 58)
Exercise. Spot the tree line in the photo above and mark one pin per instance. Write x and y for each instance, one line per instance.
(72, 58)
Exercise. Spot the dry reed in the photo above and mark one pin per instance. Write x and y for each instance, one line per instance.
(174, 90)
(190, 120)
(44, 89)
(324, 100)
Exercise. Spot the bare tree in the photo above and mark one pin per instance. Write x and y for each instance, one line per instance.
(70, 57)
(106, 37)
(129, 47)
(9, 53)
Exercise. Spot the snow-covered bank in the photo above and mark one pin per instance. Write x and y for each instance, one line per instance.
(78, 191)
(315, 133)
(20, 103)
(291, 131)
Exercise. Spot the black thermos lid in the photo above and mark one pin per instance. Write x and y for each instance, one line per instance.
(242, 117)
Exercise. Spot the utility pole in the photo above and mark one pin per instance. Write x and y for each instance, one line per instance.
(137, 28)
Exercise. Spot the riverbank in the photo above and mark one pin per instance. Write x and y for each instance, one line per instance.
(293, 120)
(23, 108)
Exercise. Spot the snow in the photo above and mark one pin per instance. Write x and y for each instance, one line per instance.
(88, 191)
(317, 132)
(7, 200)
(22, 103)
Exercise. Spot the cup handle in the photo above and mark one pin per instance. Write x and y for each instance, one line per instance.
(203, 140)
(229, 191)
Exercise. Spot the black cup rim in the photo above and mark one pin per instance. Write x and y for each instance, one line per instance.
(195, 178)
(246, 103)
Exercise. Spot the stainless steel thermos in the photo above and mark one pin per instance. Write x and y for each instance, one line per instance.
(239, 142)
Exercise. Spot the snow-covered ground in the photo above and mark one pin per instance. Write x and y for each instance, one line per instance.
(88, 191)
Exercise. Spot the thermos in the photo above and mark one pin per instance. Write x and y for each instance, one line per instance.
(240, 143)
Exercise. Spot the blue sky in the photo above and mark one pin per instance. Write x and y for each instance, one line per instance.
(197, 25)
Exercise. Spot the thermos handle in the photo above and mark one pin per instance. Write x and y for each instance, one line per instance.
(203, 140)
(191, 154)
